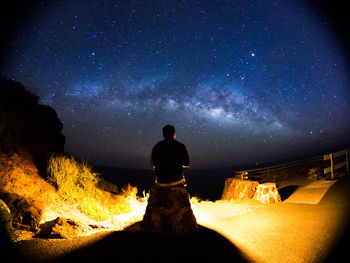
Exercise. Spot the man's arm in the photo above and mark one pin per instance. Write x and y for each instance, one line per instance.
(186, 158)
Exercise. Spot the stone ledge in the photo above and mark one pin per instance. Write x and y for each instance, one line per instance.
(237, 189)
(267, 193)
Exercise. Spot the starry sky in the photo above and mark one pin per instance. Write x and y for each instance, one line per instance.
(243, 82)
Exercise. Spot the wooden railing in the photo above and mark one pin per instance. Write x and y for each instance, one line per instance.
(337, 166)
(256, 174)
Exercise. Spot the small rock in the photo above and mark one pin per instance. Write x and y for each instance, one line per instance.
(60, 228)
(96, 226)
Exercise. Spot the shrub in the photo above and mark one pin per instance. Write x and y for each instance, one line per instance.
(77, 184)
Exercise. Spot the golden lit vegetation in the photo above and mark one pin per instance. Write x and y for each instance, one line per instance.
(77, 184)
(20, 176)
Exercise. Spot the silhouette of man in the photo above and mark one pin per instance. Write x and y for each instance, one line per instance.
(168, 159)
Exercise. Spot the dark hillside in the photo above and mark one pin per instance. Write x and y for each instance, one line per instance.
(26, 127)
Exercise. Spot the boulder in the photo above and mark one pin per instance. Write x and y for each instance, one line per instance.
(169, 211)
(5, 220)
(60, 228)
(267, 193)
(26, 212)
(238, 189)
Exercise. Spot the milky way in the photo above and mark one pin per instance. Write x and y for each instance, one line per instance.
(242, 81)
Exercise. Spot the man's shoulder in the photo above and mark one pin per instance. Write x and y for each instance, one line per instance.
(158, 144)
(166, 142)
(180, 143)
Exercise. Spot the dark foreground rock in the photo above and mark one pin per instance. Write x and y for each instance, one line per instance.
(169, 212)
(5, 219)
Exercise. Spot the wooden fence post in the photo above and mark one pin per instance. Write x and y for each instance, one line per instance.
(332, 168)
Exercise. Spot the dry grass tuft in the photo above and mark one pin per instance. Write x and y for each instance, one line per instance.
(78, 185)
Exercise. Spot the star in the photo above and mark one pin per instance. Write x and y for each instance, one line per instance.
(225, 77)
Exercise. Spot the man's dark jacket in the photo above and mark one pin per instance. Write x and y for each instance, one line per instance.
(168, 158)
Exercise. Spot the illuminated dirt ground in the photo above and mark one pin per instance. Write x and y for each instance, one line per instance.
(283, 232)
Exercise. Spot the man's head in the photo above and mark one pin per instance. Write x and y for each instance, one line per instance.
(169, 132)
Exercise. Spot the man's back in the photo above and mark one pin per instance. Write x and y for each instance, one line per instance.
(168, 158)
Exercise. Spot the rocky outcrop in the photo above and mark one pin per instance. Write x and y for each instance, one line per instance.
(169, 211)
(26, 127)
(238, 189)
(29, 134)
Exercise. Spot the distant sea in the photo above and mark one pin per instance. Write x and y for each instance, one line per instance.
(205, 184)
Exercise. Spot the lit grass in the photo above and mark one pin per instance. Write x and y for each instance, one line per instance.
(77, 184)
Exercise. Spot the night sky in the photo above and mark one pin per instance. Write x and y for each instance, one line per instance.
(243, 82)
